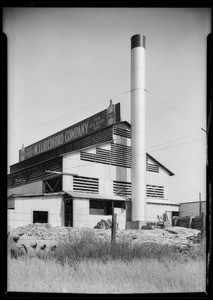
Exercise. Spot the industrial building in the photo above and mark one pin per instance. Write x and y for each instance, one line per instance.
(195, 208)
(84, 173)
(73, 177)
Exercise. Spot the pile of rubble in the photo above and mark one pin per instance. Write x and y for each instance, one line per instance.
(41, 231)
(38, 239)
(35, 240)
(179, 236)
(104, 224)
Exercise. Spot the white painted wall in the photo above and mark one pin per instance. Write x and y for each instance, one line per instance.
(11, 218)
(105, 173)
(160, 179)
(24, 207)
(82, 218)
(156, 209)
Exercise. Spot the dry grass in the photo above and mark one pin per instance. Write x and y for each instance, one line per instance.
(83, 264)
(87, 247)
(136, 276)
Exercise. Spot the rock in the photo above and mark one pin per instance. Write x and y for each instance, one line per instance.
(18, 250)
(43, 247)
(147, 226)
(15, 237)
(171, 231)
(33, 245)
(53, 248)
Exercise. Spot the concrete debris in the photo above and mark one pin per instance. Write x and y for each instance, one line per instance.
(41, 231)
(38, 239)
(104, 224)
(171, 231)
(148, 226)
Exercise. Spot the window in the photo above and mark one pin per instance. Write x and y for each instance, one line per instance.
(40, 216)
(97, 207)
(68, 211)
(10, 203)
(119, 204)
(100, 207)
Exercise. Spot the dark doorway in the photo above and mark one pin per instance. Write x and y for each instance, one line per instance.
(68, 212)
(40, 216)
(175, 213)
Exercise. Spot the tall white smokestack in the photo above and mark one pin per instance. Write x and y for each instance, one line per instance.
(138, 168)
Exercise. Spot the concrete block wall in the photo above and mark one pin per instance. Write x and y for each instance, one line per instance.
(24, 207)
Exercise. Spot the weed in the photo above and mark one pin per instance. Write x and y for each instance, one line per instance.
(88, 247)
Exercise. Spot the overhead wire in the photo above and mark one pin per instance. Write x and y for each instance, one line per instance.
(186, 185)
(177, 144)
(116, 96)
(140, 152)
(180, 113)
(171, 141)
(64, 116)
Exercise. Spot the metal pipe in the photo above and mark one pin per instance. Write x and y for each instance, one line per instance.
(138, 168)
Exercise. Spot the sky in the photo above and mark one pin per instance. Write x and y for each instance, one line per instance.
(65, 64)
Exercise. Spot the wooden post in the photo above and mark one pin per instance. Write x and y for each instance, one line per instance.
(114, 225)
(190, 221)
(203, 225)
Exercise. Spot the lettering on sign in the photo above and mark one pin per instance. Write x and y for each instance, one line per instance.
(88, 126)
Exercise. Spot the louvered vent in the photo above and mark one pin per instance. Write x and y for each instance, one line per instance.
(88, 156)
(35, 175)
(85, 184)
(19, 180)
(155, 191)
(122, 132)
(9, 182)
(53, 166)
(103, 156)
(120, 155)
(152, 168)
(122, 188)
